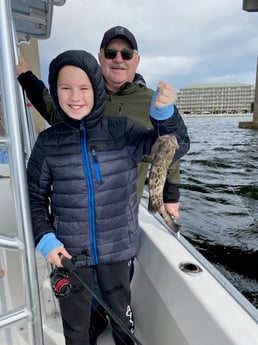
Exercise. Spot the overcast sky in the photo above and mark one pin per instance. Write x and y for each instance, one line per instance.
(183, 42)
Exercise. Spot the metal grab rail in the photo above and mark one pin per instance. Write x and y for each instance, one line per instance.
(14, 141)
(14, 316)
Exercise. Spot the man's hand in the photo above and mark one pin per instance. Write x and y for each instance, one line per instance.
(22, 66)
(165, 96)
(55, 256)
(173, 209)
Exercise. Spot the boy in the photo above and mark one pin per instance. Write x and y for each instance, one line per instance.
(85, 169)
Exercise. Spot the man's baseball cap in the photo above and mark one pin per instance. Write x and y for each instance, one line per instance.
(118, 32)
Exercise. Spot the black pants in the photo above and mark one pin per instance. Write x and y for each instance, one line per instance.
(114, 285)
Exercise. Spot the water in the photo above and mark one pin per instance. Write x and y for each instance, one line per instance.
(219, 197)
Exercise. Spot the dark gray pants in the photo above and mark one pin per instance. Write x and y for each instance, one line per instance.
(114, 285)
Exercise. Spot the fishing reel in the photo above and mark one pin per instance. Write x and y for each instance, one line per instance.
(60, 282)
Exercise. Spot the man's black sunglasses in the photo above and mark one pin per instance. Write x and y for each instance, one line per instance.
(126, 54)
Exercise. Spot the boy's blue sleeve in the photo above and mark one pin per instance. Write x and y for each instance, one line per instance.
(48, 243)
(161, 113)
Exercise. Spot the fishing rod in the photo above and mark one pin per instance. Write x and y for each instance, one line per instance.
(69, 266)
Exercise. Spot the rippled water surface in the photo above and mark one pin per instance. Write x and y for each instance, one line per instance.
(219, 198)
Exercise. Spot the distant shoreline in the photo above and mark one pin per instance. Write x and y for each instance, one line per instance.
(217, 115)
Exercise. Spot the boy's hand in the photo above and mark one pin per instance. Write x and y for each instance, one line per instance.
(166, 95)
(55, 256)
(162, 103)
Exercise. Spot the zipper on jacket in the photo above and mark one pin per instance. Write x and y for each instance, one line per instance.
(96, 166)
(91, 207)
(120, 108)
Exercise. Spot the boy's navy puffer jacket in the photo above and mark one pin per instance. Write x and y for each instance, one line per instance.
(82, 175)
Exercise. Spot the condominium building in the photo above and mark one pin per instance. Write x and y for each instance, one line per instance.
(216, 98)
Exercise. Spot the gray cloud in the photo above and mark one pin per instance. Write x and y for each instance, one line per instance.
(184, 42)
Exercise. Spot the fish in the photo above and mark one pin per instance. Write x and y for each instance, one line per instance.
(161, 156)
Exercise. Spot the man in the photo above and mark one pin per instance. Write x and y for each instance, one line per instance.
(126, 95)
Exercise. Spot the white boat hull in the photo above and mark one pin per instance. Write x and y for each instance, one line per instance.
(173, 307)
(170, 306)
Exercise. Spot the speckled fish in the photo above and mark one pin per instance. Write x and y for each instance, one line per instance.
(161, 155)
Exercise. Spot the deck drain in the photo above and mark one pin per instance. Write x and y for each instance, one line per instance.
(190, 268)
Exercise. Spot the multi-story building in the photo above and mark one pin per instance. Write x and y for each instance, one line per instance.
(216, 98)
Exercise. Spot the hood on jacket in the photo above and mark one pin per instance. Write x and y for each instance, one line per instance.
(138, 79)
(87, 62)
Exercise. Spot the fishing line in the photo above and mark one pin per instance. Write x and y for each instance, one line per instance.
(240, 202)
